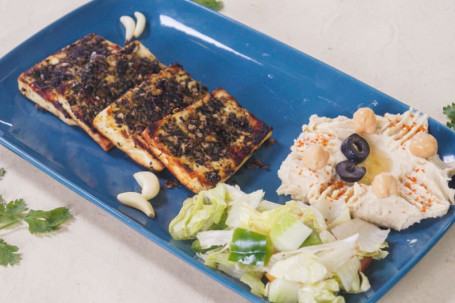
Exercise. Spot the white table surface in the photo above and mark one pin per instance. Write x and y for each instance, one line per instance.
(404, 48)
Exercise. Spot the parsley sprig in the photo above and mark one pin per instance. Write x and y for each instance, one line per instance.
(39, 222)
(449, 111)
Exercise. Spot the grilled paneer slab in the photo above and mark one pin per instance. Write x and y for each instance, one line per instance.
(85, 77)
(42, 82)
(157, 97)
(208, 141)
(102, 81)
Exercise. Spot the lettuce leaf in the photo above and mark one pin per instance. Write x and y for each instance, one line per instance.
(335, 212)
(371, 237)
(254, 280)
(289, 233)
(211, 238)
(304, 267)
(220, 261)
(199, 213)
(283, 291)
(321, 292)
(352, 280)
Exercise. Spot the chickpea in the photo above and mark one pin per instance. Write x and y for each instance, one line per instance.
(364, 121)
(423, 145)
(384, 185)
(315, 157)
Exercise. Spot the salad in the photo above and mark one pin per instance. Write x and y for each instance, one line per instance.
(288, 253)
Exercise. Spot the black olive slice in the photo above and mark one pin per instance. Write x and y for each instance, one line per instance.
(349, 172)
(452, 182)
(355, 148)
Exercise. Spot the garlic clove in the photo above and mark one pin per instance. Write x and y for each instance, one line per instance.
(137, 201)
(149, 183)
(129, 25)
(140, 24)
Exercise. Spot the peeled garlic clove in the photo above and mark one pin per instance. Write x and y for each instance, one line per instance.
(140, 24)
(137, 201)
(129, 25)
(149, 183)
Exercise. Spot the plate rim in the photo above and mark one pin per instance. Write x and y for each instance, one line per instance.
(215, 275)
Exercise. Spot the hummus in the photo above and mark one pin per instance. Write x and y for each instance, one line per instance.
(423, 190)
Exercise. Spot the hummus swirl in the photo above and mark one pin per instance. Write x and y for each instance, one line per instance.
(423, 190)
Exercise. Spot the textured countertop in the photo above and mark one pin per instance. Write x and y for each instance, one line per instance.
(403, 48)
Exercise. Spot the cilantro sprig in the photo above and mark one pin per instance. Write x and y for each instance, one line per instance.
(8, 253)
(39, 222)
(11, 213)
(213, 4)
(449, 111)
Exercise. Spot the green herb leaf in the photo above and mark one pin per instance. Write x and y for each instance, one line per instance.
(15, 207)
(40, 221)
(449, 111)
(451, 125)
(8, 254)
(11, 212)
(8, 220)
(2, 171)
(213, 4)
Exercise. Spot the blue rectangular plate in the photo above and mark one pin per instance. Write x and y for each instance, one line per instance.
(281, 85)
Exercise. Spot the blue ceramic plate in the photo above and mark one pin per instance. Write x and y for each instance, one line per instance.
(281, 85)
